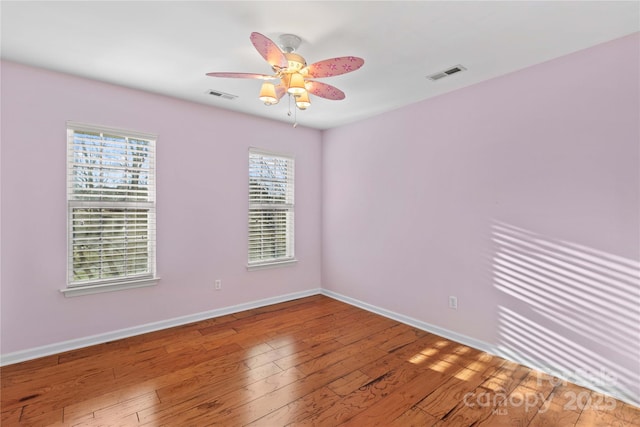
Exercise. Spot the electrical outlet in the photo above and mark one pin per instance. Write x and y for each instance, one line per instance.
(218, 284)
(453, 302)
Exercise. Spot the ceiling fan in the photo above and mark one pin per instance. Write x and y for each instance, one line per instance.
(294, 75)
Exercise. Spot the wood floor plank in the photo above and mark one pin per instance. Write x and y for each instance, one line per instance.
(85, 352)
(445, 398)
(370, 326)
(307, 355)
(314, 299)
(327, 358)
(349, 383)
(346, 324)
(222, 407)
(592, 418)
(62, 390)
(176, 401)
(124, 409)
(204, 383)
(291, 414)
(317, 330)
(194, 339)
(48, 377)
(629, 414)
(399, 336)
(126, 389)
(280, 353)
(38, 416)
(308, 384)
(484, 401)
(400, 391)
(395, 357)
(518, 408)
(312, 361)
(312, 382)
(567, 396)
(415, 417)
(141, 370)
(554, 415)
(84, 409)
(11, 416)
(602, 410)
(126, 421)
(20, 372)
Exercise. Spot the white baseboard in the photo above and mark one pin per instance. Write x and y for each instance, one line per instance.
(613, 391)
(47, 350)
(445, 333)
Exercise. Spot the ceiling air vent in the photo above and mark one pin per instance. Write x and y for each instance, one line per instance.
(445, 73)
(219, 94)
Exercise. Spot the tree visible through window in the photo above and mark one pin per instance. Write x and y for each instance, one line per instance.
(271, 208)
(111, 200)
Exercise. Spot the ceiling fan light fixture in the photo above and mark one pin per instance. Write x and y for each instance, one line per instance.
(268, 94)
(296, 84)
(302, 101)
(292, 71)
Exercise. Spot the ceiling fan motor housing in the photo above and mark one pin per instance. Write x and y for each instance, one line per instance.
(296, 62)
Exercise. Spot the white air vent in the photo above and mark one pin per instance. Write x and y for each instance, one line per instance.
(219, 94)
(446, 73)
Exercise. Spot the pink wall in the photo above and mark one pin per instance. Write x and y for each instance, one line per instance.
(519, 195)
(202, 206)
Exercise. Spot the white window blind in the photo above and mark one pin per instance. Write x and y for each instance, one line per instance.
(111, 201)
(271, 208)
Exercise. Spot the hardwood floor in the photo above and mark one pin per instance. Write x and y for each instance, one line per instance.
(312, 361)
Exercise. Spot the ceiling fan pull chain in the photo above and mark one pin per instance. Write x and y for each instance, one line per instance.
(295, 113)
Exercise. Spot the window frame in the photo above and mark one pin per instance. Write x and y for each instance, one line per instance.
(75, 201)
(288, 207)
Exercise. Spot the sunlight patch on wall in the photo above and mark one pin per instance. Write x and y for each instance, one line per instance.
(576, 300)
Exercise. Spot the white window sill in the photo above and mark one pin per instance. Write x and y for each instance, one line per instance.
(271, 264)
(77, 291)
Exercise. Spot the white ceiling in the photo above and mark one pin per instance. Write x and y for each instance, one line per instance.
(167, 46)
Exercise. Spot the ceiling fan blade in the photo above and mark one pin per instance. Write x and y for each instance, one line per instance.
(335, 66)
(269, 50)
(324, 90)
(281, 90)
(243, 76)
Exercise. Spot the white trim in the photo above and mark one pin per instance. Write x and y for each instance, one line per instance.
(77, 288)
(257, 206)
(613, 391)
(47, 350)
(263, 152)
(445, 333)
(76, 291)
(85, 127)
(271, 264)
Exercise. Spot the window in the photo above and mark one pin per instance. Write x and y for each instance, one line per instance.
(271, 208)
(111, 209)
